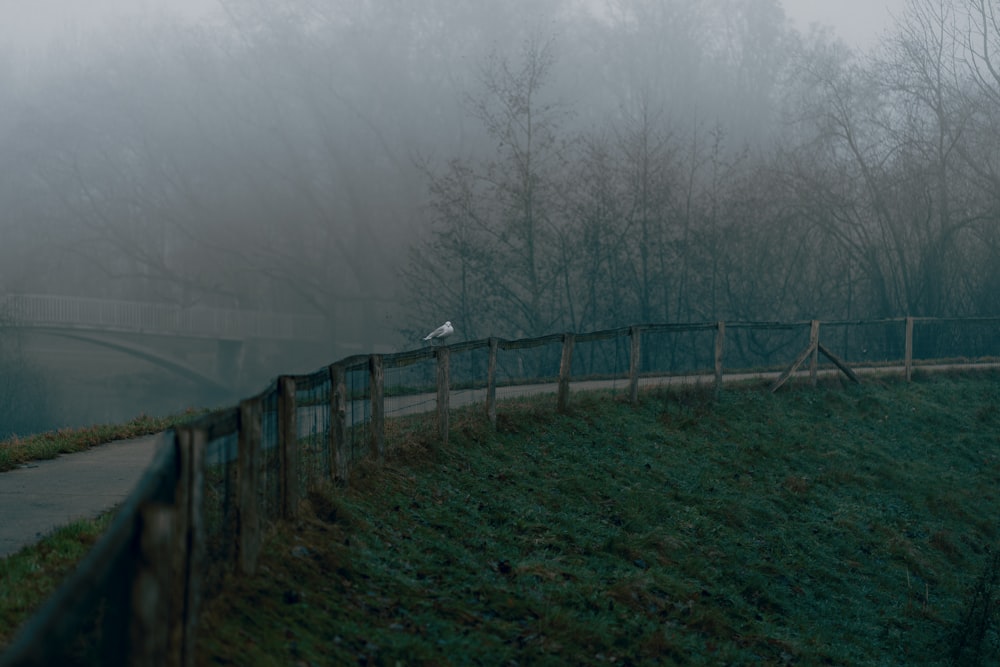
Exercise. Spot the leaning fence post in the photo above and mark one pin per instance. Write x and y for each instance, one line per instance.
(149, 632)
(491, 384)
(248, 478)
(565, 369)
(908, 349)
(814, 345)
(720, 348)
(377, 383)
(189, 544)
(288, 439)
(808, 352)
(635, 333)
(338, 424)
(443, 355)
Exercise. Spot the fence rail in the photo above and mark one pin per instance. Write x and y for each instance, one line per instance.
(199, 511)
(48, 311)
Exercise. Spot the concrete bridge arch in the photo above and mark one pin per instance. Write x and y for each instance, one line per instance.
(226, 376)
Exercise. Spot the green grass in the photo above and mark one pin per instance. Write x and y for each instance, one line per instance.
(842, 525)
(838, 525)
(17, 451)
(30, 576)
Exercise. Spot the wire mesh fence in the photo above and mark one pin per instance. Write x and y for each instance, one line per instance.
(675, 354)
(268, 495)
(601, 360)
(219, 500)
(312, 401)
(469, 374)
(941, 340)
(410, 383)
(527, 367)
(358, 424)
(198, 514)
(872, 343)
(763, 347)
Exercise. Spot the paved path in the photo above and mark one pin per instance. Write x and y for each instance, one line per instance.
(41, 496)
(45, 495)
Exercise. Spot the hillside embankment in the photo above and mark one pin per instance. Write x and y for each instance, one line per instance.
(834, 525)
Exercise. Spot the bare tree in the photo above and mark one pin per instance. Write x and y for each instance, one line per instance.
(503, 212)
(890, 189)
(449, 270)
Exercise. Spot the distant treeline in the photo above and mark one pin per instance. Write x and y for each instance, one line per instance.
(872, 191)
(518, 167)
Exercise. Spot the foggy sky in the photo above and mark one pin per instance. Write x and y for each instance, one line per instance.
(858, 22)
(28, 25)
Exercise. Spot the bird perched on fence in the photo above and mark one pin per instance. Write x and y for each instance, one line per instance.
(442, 331)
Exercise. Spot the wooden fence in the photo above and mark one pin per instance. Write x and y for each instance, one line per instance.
(198, 513)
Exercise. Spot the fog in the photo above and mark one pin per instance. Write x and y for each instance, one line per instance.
(518, 167)
(33, 26)
(859, 23)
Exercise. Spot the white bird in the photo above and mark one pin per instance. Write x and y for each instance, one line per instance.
(442, 331)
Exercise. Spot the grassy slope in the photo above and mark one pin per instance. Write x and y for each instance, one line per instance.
(841, 525)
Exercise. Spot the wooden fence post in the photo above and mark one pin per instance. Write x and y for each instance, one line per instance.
(808, 352)
(189, 545)
(491, 384)
(908, 350)
(634, 363)
(839, 363)
(288, 441)
(565, 370)
(720, 349)
(443, 355)
(248, 461)
(339, 459)
(376, 382)
(149, 631)
(814, 345)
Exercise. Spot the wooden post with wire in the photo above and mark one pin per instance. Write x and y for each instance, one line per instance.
(339, 446)
(814, 348)
(288, 441)
(188, 544)
(491, 384)
(908, 350)
(443, 355)
(150, 622)
(565, 370)
(376, 370)
(248, 475)
(720, 349)
(634, 363)
(814, 345)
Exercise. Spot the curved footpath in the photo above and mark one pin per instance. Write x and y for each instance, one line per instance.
(42, 496)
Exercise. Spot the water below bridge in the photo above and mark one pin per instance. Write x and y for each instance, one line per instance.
(79, 383)
(70, 361)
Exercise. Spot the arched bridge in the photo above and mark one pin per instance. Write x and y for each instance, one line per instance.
(140, 330)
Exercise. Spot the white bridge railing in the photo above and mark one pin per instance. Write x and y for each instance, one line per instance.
(62, 312)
